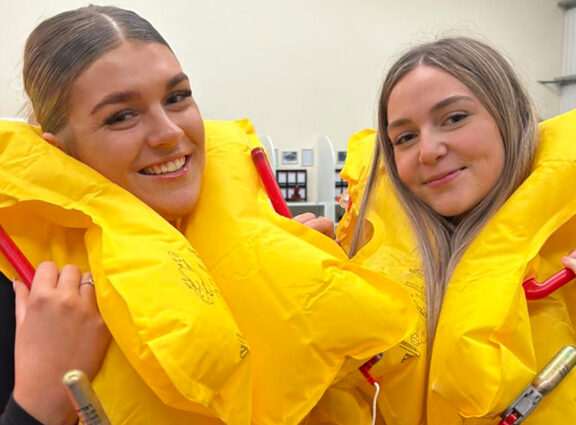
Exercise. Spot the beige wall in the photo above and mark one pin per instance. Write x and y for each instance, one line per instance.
(303, 68)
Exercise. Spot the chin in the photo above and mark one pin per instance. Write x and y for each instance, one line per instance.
(173, 213)
(450, 210)
(175, 204)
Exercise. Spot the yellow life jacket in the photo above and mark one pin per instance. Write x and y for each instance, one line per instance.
(490, 341)
(301, 305)
(177, 353)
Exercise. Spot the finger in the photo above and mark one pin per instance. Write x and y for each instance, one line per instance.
(303, 218)
(45, 278)
(323, 225)
(569, 262)
(69, 279)
(86, 278)
(87, 290)
(88, 296)
(21, 293)
(86, 282)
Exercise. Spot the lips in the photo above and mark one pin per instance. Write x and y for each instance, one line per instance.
(443, 178)
(166, 167)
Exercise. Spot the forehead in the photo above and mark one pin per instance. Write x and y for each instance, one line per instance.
(423, 87)
(131, 66)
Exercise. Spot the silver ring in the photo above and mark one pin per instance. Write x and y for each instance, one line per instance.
(87, 282)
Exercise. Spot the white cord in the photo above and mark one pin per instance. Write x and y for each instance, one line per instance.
(374, 404)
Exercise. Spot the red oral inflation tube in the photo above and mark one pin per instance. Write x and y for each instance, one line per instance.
(16, 258)
(269, 181)
(82, 396)
(536, 291)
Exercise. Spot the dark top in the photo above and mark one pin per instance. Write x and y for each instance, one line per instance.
(12, 413)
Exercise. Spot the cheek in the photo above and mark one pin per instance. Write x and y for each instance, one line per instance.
(193, 126)
(405, 170)
(200, 141)
(494, 166)
(197, 132)
(111, 160)
(493, 157)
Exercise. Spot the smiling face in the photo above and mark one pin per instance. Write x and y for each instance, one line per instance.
(448, 149)
(133, 119)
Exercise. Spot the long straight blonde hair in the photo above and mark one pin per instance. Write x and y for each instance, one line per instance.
(441, 240)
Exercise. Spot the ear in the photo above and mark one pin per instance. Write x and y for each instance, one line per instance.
(54, 140)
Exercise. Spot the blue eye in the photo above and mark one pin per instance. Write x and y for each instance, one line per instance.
(179, 96)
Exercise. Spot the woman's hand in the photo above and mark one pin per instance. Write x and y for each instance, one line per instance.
(570, 261)
(58, 328)
(322, 224)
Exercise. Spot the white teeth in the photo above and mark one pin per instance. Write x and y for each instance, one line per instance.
(167, 167)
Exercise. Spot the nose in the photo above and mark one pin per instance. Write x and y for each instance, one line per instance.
(432, 147)
(163, 132)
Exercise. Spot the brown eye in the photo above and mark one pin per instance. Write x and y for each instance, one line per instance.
(179, 96)
(456, 118)
(403, 138)
(119, 117)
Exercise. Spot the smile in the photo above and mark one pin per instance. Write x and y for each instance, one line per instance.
(165, 167)
(444, 178)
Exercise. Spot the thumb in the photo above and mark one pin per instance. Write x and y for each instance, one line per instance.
(22, 293)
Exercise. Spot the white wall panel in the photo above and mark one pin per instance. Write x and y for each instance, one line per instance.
(568, 99)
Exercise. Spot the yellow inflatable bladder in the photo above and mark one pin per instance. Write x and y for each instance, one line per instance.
(490, 341)
(307, 312)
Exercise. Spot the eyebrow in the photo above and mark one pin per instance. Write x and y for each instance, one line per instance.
(116, 97)
(442, 104)
(177, 79)
(450, 100)
(125, 96)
